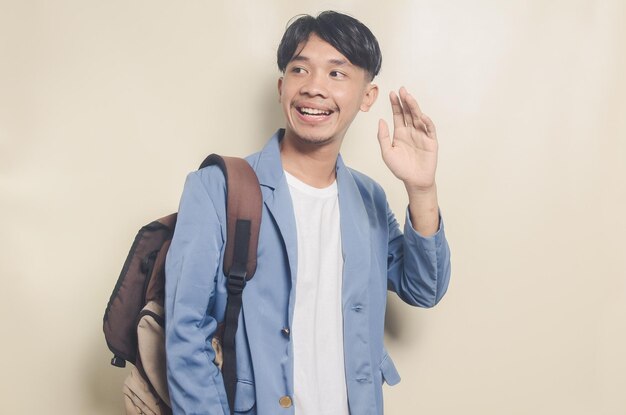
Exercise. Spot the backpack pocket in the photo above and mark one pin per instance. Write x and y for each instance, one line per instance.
(138, 397)
(151, 348)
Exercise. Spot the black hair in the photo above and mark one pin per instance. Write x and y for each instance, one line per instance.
(345, 33)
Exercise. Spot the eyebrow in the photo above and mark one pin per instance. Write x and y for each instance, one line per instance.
(334, 61)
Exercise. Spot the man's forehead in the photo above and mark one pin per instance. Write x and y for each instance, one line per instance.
(304, 51)
(334, 61)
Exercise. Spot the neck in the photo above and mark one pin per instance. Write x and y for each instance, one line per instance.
(311, 163)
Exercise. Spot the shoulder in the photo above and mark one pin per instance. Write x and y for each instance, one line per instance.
(210, 179)
(205, 189)
(253, 159)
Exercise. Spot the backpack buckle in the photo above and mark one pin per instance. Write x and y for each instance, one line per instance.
(236, 280)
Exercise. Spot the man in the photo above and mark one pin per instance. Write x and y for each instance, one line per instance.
(310, 336)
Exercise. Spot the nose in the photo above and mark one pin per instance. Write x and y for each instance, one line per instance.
(315, 85)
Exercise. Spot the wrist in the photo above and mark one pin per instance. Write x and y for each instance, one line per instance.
(420, 190)
(424, 209)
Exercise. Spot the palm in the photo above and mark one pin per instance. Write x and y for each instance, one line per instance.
(412, 154)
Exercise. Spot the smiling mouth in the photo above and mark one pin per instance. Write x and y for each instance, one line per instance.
(314, 112)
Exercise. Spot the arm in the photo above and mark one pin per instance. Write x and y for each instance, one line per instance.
(419, 261)
(418, 266)
(195, 383)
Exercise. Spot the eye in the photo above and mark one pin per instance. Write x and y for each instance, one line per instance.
(337, 74)
(297, 69)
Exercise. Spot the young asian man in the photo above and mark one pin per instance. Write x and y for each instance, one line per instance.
(310, 334)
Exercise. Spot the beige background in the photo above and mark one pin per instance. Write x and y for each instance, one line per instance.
(106, 105)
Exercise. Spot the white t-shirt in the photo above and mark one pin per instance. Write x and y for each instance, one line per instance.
(317, 329)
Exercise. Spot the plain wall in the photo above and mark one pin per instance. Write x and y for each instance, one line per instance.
(106, 105)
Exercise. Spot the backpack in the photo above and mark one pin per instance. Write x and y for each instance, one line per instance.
(134, 319)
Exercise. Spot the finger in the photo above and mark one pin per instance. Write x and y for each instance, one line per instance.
(406, 112)
(412, 107)
(396, 109)
(408, 97)
(431, 131)
(384, 139)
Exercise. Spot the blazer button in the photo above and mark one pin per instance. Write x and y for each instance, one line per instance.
(285, 402)
(285, 331)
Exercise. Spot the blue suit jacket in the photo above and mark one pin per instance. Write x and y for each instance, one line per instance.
(377, 258)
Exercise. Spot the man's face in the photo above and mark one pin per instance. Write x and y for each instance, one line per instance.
(321, 92)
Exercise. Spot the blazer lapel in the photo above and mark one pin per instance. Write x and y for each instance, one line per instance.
(277, 199)
(355, 237)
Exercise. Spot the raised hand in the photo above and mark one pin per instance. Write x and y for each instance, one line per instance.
(412, 154)
(412, 157)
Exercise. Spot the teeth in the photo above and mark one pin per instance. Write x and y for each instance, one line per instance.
(313, 111)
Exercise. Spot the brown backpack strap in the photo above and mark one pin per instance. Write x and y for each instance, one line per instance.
(244, 202)
(243, 211)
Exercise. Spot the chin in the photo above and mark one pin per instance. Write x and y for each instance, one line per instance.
(315, 139)
(312, 136)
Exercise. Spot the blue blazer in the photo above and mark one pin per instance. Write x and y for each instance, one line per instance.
(377, 257)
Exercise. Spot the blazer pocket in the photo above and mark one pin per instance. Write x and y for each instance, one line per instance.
(389, 371)
(244, 397)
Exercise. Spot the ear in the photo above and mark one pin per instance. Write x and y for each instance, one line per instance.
(280, 88)
(371, 93)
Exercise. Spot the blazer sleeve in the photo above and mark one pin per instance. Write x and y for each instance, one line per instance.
(418, 266)
(192, 263)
